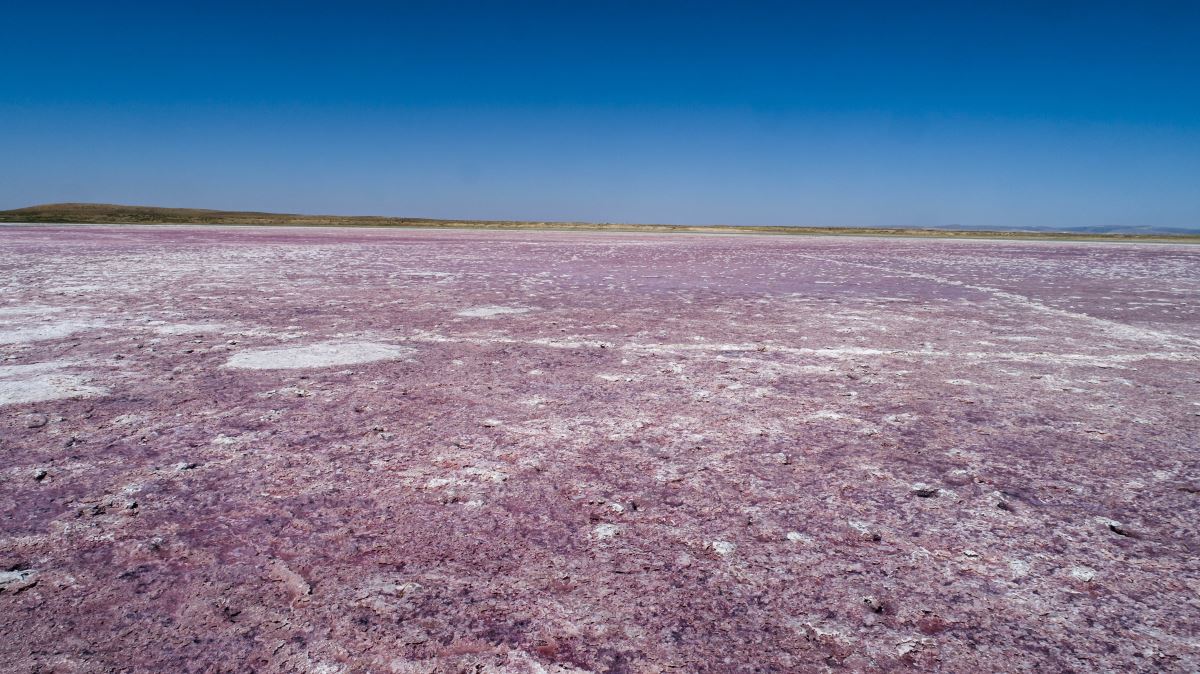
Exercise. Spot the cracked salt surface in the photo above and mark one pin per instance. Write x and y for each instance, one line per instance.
(325, 354)
(634, 477)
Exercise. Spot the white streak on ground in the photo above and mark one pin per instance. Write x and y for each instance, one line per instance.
(324, 354)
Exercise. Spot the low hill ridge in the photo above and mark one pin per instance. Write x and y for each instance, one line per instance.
(87, 213)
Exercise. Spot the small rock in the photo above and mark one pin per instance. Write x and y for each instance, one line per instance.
(970, 553)
(35, 420)
(875, 604)
(40, 474)
(185, 465)
(723, 548)
(958, 477)
(864, 531)
(1115, 526)
(1083, 574)
(924, 491)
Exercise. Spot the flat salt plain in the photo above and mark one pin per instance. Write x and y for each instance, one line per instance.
(353, 450)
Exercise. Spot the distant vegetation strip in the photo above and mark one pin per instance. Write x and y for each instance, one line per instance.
(152, 215)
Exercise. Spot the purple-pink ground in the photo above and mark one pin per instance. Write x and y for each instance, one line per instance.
(350, 450)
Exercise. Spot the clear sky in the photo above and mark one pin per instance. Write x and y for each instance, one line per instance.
(1016, 114)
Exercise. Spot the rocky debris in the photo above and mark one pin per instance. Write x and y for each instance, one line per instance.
(874, 604)
(1001, 501)
(15, 580)
(40, 474)
(911, 645)
(35, 420)
(186, 465)
(924, 491)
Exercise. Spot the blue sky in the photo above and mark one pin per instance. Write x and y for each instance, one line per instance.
(1009, 114)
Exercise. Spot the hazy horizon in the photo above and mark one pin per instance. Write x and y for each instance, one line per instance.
(1002, 116)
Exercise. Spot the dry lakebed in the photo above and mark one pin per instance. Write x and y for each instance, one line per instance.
(275, 449)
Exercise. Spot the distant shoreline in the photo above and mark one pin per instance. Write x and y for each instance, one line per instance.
(110, 214)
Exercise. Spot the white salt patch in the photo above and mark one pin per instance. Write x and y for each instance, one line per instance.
(43, 332)
(19, 371)
(431, 274)
(324, 354)
(28, 309)
(189, 328)
(40, 382)
(491, 311)
(605, 531)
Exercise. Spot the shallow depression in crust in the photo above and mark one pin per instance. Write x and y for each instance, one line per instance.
(324, 354)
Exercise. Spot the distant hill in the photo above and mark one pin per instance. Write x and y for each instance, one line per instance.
(119, 214)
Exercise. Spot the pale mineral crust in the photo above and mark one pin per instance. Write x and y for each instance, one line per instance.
(356, 450)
